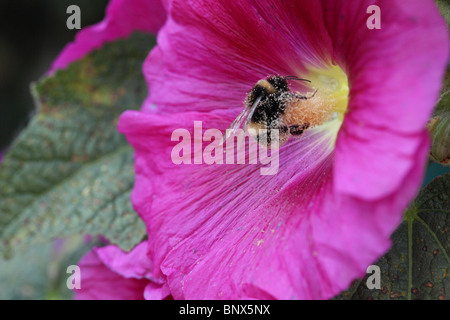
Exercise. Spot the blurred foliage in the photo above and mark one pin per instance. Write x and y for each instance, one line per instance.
(444, 7)
(439, 127)
(41, 271)
(32, 33)
(70, 171)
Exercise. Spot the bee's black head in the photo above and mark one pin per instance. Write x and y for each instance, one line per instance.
(279, 83)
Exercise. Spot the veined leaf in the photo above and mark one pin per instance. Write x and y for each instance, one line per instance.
(70, 171)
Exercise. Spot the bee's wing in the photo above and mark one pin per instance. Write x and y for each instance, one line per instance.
(243, 118)
(251, 112)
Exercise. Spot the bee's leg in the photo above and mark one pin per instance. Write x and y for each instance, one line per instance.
(302, 97)
(282, 129)
(299, 96)
(297, 130)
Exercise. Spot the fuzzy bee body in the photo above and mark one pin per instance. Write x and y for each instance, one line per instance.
(265, 108)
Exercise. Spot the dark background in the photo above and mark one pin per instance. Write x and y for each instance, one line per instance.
(32, 33)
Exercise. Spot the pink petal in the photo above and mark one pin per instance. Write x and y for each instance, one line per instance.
(395, 75)
(370, 162)
(219, 49)
(155, 291)
(210, 54)
(358, 230)
(108, 273)
(134, 264)
(225, 231)
(98, 282)
(122, 18)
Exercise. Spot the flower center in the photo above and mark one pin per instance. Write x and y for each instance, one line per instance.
(328, 106)
(333, 86)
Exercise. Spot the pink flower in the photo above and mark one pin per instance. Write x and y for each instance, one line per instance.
(110, 274)
(122, 18)
(225, 231)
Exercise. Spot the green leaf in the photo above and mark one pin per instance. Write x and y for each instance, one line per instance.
(70, 172)
(418, 264)
(41, 271)
(444, 7)
(66, 252)
(24, 277)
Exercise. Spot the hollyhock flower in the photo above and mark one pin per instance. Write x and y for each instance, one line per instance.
(122, 18)
(111, 274)
(225, 231)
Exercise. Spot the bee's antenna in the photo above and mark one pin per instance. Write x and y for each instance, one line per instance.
(296, 78)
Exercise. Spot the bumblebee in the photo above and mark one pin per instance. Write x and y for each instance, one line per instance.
(268, 106)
